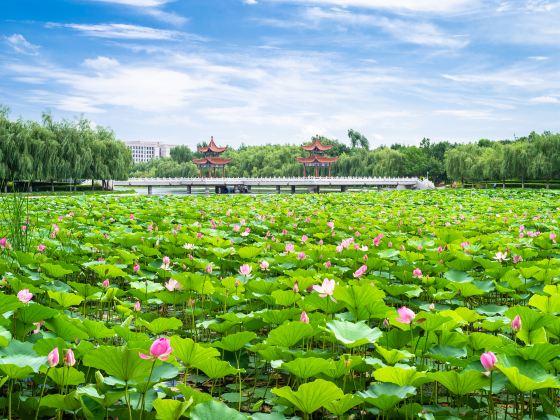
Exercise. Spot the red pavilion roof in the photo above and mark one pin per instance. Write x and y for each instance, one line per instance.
(212, 147)
(316, 146)
(212, 160)
(317, 159)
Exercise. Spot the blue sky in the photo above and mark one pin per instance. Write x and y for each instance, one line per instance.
(280, 71)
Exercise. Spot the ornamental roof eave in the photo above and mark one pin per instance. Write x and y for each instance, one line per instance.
(212, 147)
(316, 145)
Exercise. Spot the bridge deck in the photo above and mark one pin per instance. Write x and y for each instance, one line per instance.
(300, 182)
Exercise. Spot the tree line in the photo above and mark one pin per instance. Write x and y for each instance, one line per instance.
(54, 151)
(535, 156)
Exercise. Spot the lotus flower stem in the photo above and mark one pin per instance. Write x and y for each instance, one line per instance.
(146, 390)
(42, 391)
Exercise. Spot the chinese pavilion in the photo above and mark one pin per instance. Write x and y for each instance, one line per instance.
(316, 157)
(211, 159)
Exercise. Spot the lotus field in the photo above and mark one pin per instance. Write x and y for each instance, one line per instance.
(400, 304)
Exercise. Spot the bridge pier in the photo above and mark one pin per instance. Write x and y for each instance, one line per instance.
(278, 189)
(293, 189)
(217, 189)
(189, 189)
(149, 190)
(206, 190)
(248, 188)
(343, 188)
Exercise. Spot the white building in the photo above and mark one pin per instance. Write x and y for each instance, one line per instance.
(144, 151)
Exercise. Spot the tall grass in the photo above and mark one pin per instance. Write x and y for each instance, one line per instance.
(14, 219)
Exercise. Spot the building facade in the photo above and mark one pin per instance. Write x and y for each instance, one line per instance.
(144, 151)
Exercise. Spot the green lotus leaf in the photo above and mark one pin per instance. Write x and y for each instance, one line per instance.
(216, 369)
(191, 393)
(526, 375)
(285, 297)
(35, 313)
(235, 342)
(9, 303)
(21, 355)
(307, 367)
(393, 356)
(289, 334)
(121, 362)
(170, 409)
(55, 270)
(212, 410)
(354, 334)
(160, 325)
(342, 405)
(363, 301)
(249, 252)
(5, 337)
(190, 353)
(67, 328)
(66, 376)
(66, 299)
(108, 271)
(386, 396)
(400, 375)
(547, 304)
(310, 396)
(461, 383)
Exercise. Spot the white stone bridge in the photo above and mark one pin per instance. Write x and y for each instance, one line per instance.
(310, 183)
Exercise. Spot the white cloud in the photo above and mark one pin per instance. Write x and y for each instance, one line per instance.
(136, 3)
(21, 45)
(546, 100)
(429, 6)
(251, 2)
(466, 113)
(539, 58)
(120, 31)
(100, 63)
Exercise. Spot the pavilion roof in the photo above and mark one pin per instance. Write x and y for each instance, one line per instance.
(212, 147)
(212, 160)
(317, 159)
(316, 145)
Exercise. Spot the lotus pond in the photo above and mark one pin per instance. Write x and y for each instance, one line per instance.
(401, 304)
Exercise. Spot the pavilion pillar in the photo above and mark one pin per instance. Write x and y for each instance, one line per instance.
(304, 171)
(224, 171)
(200, 171)
(316, 171)
(329, 170)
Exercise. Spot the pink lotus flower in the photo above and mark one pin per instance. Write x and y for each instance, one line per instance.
(360, 271)
(53, 357)
(301, 255)
(150, 228)
(328, 264)
(326, 289)
(38, 326)
(440, 249)
(517, 259)
(289, 248)
(552, 237)
(41, 248)
(304, 318)
(172, 285)
(245, 269)
(417, 273)
(24, 296)
(165, 262)
(3, 242)
(105, 283)
(160, 349)
(137, 306)
(521, 228)
(405, 315)
(432, 307)
(296, 287)
(390, 244)
(330, 225)
(516, 323)
(131, 216)
(24, 227)
(69, 359)
(264, 265)
(376, 241)
(465, 244)
(236, 228)
(136, 268)
(488, 360)
(304, 239)
(246, 232)
(209, 268)
(386, 324)
(501, 256)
